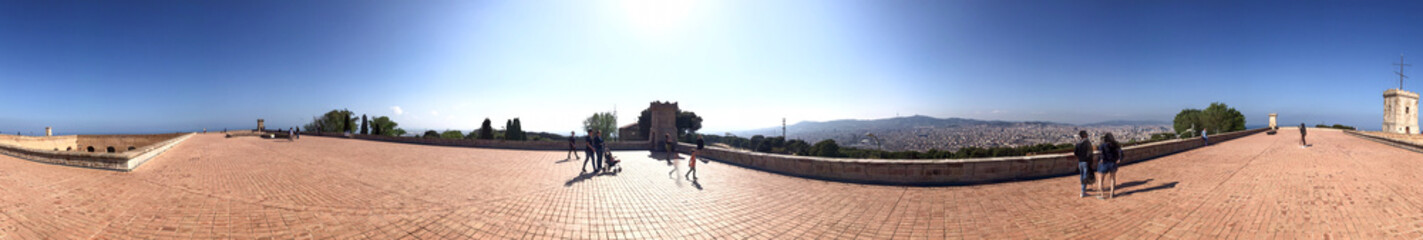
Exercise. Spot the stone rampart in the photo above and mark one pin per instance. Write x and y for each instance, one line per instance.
(940, 171)
(561, 144)
(121, 161)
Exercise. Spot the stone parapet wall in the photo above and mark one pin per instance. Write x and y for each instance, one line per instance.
(940, 171)
(121, 143)
(35, 142)
(561, 144)
(121, 161)
(1411, 142)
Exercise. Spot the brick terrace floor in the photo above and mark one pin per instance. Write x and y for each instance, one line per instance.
(1260, 186)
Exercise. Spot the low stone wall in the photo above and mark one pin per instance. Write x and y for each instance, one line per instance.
(1405, 141)
(940, 171)
(121, 161)
(120, 143)
(37, 142)
(482, 143)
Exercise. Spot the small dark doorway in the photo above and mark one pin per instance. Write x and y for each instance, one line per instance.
(111, 149)
(130, 148)
(91, 148)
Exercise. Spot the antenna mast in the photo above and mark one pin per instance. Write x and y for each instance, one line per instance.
(1400, 65)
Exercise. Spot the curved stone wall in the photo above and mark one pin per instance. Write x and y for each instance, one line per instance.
(941, 171)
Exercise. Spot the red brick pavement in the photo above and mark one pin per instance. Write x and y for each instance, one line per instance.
(1260, 186)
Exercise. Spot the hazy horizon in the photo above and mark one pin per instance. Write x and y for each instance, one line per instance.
(158, 66)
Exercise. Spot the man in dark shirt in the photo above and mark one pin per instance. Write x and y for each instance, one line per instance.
(598, 150)
(1302, 143)
(671, 146)
(1084, 157)
(588, 151)
(571, 150)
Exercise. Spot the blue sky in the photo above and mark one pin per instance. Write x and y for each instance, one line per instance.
(158, 66)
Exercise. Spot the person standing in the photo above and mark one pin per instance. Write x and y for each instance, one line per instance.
(1083, 152)
(1302, 143)
(692, 163)
(1107, 167)
(671, 146)
(598, 151)
(588, 150)
(291, 134)
(572, 150)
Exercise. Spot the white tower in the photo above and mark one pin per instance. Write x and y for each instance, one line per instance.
(1400, 111)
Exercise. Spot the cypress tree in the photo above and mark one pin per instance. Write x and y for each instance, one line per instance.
(365, 125)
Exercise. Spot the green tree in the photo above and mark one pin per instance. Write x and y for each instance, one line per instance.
(758, 143)
(798, 147)
(365, 125)
(688, 122)
(604, 121)
(383, 126)
(1186, 120)
(825, 148)
(431, 134)
(333, 121)
(452, 134)
(1218, 118)
(346, 127)
(517, 130)
(486, 131)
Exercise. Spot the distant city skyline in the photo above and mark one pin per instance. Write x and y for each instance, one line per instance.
(158, 66)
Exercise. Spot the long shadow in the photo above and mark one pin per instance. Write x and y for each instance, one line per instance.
(563, 161)
(1158, 187)
(589, 175)
(696, 184)
(1133, 183)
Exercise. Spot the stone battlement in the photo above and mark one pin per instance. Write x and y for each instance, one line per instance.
(1400, 93)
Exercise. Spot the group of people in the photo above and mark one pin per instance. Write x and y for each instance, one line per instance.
(292, 133)
(1105, 167)
(595, 151)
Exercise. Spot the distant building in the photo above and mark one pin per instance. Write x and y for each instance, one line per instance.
(1400, 111)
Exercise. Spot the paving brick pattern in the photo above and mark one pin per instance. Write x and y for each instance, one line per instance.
(1261, 186)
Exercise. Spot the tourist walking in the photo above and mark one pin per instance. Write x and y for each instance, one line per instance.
(1107, 166)
(692, 162)
(1302, 143)
(588, 150)
(572, 150)
(598, 151)
(671, 146)
(1083, 152)
(291, 134)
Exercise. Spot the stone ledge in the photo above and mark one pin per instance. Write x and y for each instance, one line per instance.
(933, 172)
(123, 161)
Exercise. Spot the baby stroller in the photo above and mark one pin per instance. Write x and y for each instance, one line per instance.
(611, 162)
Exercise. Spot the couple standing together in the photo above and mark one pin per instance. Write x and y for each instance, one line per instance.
(1106, 167)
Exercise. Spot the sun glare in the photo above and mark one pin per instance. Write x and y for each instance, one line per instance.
(657, 18)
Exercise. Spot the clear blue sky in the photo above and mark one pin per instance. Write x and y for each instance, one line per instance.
(155, 66)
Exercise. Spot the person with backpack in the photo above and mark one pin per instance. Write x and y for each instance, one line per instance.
(1083, 152)
(1107, 166)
